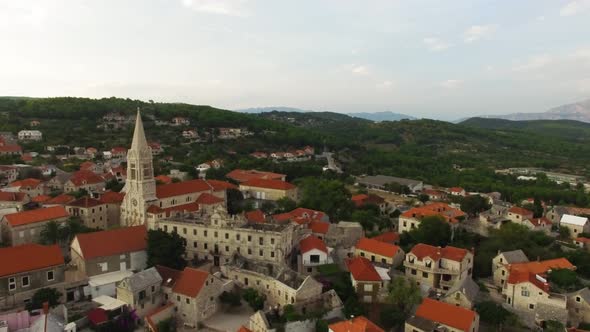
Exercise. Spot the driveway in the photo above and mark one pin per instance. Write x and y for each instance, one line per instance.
(230, 320)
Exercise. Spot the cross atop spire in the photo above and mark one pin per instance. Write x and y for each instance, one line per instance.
(139, 140)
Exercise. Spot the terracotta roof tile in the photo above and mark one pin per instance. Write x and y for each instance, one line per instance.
(388, 237)
(450, 214)
(112, 242)
(319, 227)
(269, 184)
(377, 247)
(85, 202)
(311, 242)
(84, 177)
(61, 199)
(241, 175)
(30, 182)
(35, 216)
(110, 197)
(255, 216)
(446, 314)
(362, 269)
(169, 275)
(41, 198)
(357, 324)
(164, 179)
(10, 148)
(12, 196)
(28, 257)
(422, 250)
(190, 282)
(300, 213)
(208, 199)
(520, 211)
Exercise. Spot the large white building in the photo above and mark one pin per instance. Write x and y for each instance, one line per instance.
(30, 135)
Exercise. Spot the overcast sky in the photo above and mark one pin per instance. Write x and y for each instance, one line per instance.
(437, 59)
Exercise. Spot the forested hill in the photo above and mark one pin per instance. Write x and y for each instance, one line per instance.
(566, 129)
(426, 149)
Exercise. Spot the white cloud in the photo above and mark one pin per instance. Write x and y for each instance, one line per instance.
(385, 85)
(435, 44)
(575, 7)
(540, 18)
(219, 7)
(359, 70)
(451, 84)
(477, 32)
(534, 62)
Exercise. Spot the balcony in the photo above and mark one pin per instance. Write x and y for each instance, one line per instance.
(436, 270)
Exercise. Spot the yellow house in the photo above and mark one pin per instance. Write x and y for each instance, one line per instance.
(271, 190)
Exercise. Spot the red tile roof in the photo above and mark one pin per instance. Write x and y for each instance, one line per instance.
(10, 148)
(319, 227)
(181, 188)
(520, 211)
(541, 267)
(311, 242)
(85, 202)
(97, 316)
(362, 269)
(269, 184)
(112, 242)
(110, 197)
(244, 329)
(255, 216)
(188, 207)
(241, 175)
(84, 177)
(169, 275)
(456, 189)
(12, 196)
(41, 198)
(356, 324)
(30, 182)
(422, 250)
(220, 185)
(28, 257)
(540, 221)
(450, 214)
(446, 314)
(377, 247)
(35, 216)
(520, 276)
(151, 314)
(61, 199)
(191, 282)
(165, 179)
(388, 237)
(300, 213)
(208, 199)
(362, 199)
(583, 240)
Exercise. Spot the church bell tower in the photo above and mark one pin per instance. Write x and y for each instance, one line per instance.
(140, 186)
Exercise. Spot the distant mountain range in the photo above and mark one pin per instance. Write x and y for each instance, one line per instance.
(579, 111)
(372, 116)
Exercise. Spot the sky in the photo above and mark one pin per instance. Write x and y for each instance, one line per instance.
(436, 59)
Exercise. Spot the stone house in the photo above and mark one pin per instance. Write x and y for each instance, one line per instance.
(26, 269)
(518, 215)
(241, 175)
(10, 173)
(370, 282)
(503, 259)
(432, 315)
(105, 261)
(196, 295)
(87, 180)
(271, 190)
(463, 294)
(112, 200)
(30, 186)
(382, 253)
(411, 219)
(30, 135)
(92, 212)
(26, 226)
(578, 304)
(281, 285)
(438, 268)
(141, 291)
(576, 225)
(58, 182)
(60, 200)
(13, 200)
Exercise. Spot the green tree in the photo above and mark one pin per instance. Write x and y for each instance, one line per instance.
(51, 233)
(433, 230)
(404, 295)
(474, 204)
(493, 314)
(165, 249)
(330, 196)
(286, 204)
(553, 326)
(167, 325)
(50, 295)
(564, 278)
(254, 298)
(290, 314)
(321, 326)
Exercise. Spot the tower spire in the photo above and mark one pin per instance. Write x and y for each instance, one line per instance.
(139, 141)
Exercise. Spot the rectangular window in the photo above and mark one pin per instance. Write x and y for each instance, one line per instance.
(50, 276)
(260, 240)
(249, 238)
(195, 244)
(272, 240)
(11, 283)
(261, 253)
(194, 232)
(215, 234)
(226, 236)
(238, 237)
(205, 245)
(205, 233)
(368, 288)
(25, 281)
(184, 230)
